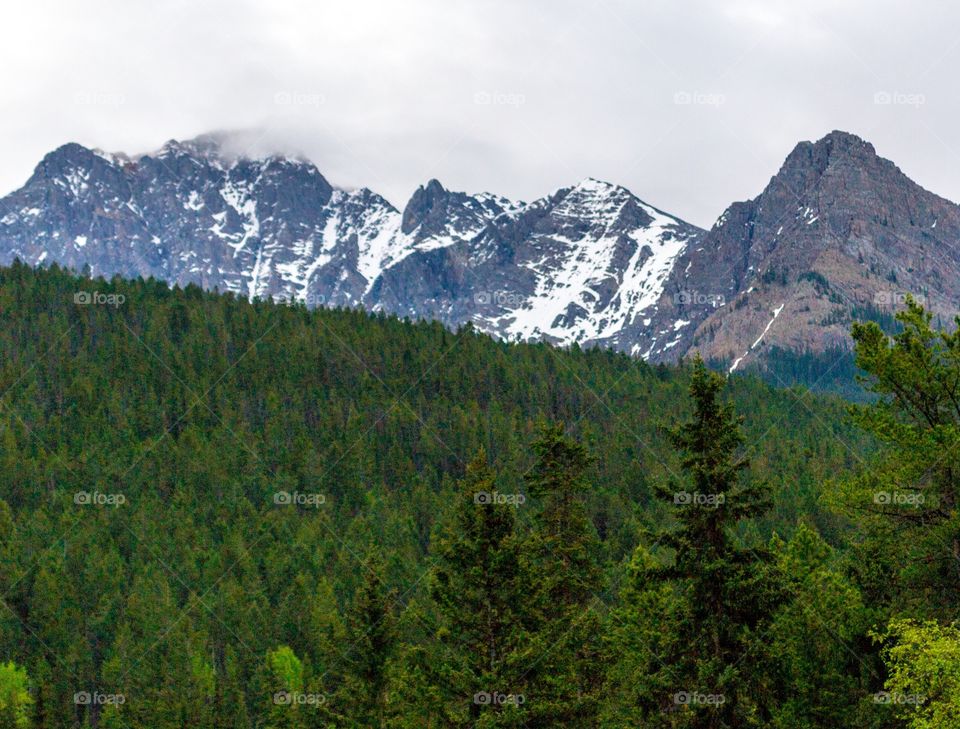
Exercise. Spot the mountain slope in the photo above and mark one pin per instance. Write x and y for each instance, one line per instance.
(838, 234)
(581, 265)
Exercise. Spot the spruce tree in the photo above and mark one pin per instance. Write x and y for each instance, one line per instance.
(727, 588)
(370, 644)
(565, 674)
(475, 672)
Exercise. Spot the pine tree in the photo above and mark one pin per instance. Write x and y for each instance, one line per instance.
(370, 643)
(727, 589)
(475, 671)
(906, 502)
(565, 673)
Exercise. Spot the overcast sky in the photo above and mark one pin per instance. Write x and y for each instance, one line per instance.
(691, 105)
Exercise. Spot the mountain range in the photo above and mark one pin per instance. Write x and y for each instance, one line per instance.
(838, 233)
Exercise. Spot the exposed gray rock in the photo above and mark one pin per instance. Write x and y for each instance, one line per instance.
(582, 265)
(839, 232)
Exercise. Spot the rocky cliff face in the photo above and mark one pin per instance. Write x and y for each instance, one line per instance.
(838, 233)
(582, 265)
(586, 264)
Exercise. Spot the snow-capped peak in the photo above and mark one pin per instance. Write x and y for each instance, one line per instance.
(600, 265)
(584, 264)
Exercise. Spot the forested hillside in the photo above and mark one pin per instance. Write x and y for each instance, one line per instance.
(218, 513)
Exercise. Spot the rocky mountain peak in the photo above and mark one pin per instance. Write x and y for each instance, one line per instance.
(429, 203)
(64, 159)
(838, 159)
(433, 210)
(834, 146)
(837, 232)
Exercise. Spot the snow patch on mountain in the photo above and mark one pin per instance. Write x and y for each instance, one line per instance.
(576, 279)
(583, 264)
(738, 360)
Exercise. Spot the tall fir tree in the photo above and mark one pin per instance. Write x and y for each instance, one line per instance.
(474, 674)
(362, 700)
(728, 590)
(565, 675)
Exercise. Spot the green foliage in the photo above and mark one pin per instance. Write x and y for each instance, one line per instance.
(284, 677)
(923, 687)
(728, 590)
(265, 454)
(816, 638)
(15, 698)
(906, 501)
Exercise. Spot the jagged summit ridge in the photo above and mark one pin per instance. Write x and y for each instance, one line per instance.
(837, 232)
(579, 265)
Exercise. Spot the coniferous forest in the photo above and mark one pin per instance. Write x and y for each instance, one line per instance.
(225, 514)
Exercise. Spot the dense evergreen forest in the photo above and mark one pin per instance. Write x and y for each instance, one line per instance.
(218, 513)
